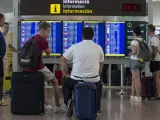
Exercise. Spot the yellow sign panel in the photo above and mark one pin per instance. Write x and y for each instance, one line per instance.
(55, 8)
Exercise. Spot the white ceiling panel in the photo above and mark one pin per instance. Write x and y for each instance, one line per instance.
(6, 6)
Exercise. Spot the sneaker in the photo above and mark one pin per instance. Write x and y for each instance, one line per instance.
(132, 98)
(69, 111)
(48, 107)
(59, 109)
(138, 98)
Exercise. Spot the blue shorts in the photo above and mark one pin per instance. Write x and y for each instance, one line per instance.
(136, 65)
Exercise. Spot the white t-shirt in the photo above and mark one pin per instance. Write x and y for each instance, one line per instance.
(86, 57)
(154, 41)
(135, 43)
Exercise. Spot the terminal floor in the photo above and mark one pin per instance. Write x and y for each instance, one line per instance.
(114, 107)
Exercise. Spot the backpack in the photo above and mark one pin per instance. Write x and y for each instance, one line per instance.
(30, 54)
(144, 52)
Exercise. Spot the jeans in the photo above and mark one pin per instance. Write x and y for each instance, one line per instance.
(1, 88)
(68, 87)
(1, 78)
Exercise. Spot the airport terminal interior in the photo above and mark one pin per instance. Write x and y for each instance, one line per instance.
(113, 22)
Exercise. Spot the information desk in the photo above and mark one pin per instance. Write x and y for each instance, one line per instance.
(53, 60)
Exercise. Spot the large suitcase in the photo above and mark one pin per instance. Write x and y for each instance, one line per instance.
(27, 93)
(148, 87)
(85, 101)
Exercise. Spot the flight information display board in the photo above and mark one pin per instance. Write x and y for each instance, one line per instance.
(30, 28)
(99, 30)
(72, 33)
(115, 39)
(129, 26)
(83, 7)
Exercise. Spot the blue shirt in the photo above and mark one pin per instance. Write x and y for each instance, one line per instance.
(2, 46)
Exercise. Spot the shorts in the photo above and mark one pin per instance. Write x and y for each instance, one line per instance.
(136, 65)
(154, 66)
(48, 75)
(1, 68)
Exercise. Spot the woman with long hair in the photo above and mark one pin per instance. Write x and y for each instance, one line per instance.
(136, 65)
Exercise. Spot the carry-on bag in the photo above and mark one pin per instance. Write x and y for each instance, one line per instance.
(27, 93)
(85, 101)
(148, 87)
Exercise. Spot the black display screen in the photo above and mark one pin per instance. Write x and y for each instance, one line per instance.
(131, 7)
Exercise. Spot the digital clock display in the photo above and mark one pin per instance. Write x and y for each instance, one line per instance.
(129, 7)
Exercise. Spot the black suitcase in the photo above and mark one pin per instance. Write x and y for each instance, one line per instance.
(148, 87)
(27, 93)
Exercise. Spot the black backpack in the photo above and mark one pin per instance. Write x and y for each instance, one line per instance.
(144, 52)
(30, 54)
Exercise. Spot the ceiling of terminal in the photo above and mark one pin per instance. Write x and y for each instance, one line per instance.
(6, 6)
(155, 0)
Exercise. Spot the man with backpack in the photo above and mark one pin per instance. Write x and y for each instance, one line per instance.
(31, 60)
(154, 45)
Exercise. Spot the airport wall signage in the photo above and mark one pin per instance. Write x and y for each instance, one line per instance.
(84, 7)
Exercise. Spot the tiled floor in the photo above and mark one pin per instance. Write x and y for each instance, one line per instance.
(114, 108)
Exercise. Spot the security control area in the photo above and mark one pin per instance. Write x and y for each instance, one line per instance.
(113, 22)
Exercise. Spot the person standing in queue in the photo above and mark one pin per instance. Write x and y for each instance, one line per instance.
(87, 58)
(2, 54)
(5, 30)
(154, 45)
(136, 65)
(44, 31)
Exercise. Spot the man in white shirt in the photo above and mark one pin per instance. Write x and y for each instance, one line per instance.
(154, 45)
(87, 58)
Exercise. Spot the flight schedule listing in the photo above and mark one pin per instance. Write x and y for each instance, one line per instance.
(115, 39)
(129, 26)
(99, 30)
(72, 33)
(30, 28)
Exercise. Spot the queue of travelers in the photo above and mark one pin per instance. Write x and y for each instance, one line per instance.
(139, 83)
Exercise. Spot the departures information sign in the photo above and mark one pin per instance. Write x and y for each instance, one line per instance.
(83, 7)
(129, 26)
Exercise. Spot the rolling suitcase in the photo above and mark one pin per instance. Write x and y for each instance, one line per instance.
(85, 101)
(148, 87)
(27, 93)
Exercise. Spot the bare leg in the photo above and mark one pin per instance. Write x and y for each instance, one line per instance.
(157, 79)
(133, 87)
(46, 101)
(56, 94)
(137, 82)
